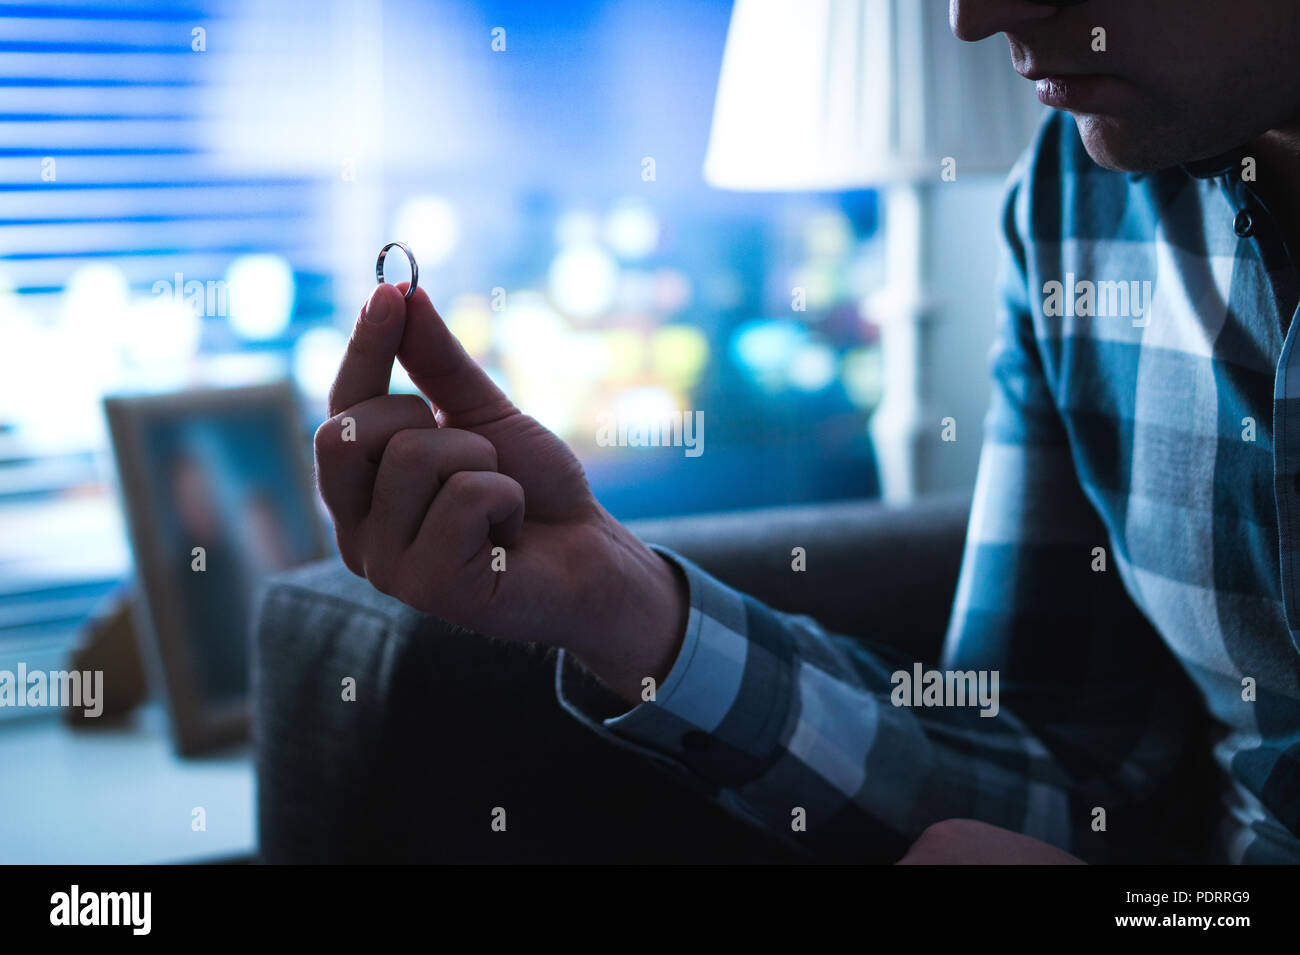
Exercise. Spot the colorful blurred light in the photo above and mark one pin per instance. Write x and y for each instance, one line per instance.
(827, 234)
(259, 296)
(586, 357)
(577, 227)
(626, 350)
(583, 280)
(863, 375)
(812, 368)
(92, 314)
(636, 290)
(33, 362)
(95, 296)
(678, 354)
(232, 369)
(545, 362)
(470, 319)
(672, 290)
(632, 229)
(316, 357)
(554, 408)
(528, 326)
(764, 348)
(821, 287)
(644, 407)
(160, 335)
(429, 226)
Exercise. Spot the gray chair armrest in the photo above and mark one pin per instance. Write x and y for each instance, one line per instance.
(447, 725)
(875, 571)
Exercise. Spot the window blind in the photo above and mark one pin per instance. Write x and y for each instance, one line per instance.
(107, 157)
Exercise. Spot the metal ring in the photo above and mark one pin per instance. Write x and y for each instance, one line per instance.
(415, 269)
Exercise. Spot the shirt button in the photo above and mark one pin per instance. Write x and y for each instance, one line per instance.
(1243, 224)
(695, 741)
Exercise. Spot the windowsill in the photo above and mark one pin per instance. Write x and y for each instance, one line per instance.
(119, 795)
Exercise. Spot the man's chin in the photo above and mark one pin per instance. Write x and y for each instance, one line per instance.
(1123, 147)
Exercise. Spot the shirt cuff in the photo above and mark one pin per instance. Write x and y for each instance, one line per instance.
(722, 706)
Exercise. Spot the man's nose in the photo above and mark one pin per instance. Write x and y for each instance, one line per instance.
(975, 19)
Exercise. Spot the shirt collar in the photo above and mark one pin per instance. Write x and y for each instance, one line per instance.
(1215, 166)
(1212, 167)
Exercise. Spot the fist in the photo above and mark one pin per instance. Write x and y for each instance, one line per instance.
(464, 507)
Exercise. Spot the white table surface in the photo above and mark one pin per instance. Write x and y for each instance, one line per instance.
(119, 795)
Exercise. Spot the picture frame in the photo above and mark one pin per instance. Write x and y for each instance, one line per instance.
(226, 472)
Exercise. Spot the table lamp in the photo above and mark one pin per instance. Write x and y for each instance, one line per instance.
(833, 95)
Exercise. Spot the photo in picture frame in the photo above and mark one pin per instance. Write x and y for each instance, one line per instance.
(218, 494)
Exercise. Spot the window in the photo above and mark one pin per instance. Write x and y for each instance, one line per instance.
(195, 194)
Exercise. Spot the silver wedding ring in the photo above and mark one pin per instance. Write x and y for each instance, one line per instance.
(415, 269)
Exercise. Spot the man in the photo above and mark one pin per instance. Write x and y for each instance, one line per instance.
(1130, 571)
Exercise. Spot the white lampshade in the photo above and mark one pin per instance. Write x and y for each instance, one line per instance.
(842, 94)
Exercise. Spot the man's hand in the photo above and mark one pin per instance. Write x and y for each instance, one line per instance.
(420, 500)
(969, 842)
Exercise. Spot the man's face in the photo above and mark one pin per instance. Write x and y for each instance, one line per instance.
(1178, 80)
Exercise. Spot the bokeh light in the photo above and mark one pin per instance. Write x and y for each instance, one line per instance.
(764, 349)
(828, 234)
(470, 319)
(528, 328)
(259, 296)
(316, 358)
(30, 363)
(632, 229)
(812, 368)
(672, 290)
(862, 372)
(644, 407)
(430, 228)
(821, 287)
(583, 280)
(80, 354)
(95, 296)
(159, 336)
(679, 354)
(577, 227)
(636, 290)
(626, 351)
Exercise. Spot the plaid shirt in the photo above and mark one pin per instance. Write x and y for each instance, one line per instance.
(1130, 568)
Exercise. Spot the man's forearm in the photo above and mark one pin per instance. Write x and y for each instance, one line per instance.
(645, 600)
(797, 729)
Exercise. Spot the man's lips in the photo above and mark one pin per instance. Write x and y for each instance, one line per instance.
(1084, 92)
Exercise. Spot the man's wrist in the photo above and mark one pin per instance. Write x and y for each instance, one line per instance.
(643, 606)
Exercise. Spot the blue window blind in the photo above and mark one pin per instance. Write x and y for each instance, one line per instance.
(106, 157)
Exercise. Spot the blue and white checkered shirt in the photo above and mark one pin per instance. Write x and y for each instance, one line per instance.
(1130, 568)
